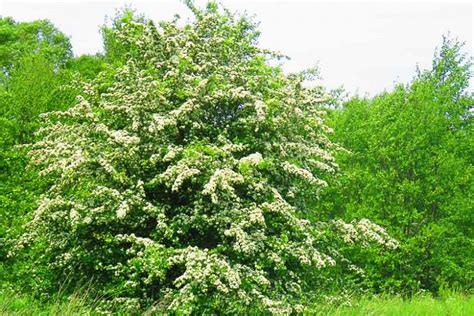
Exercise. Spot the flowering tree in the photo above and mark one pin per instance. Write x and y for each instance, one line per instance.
(183, 182)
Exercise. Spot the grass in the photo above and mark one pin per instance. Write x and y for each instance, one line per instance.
(13, 303)
(25, 305)
(421, 305)
(450, 305)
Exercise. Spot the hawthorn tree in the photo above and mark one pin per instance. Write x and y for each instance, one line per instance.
(183, 182)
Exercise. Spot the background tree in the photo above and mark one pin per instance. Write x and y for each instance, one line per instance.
(87, 66)
(33, 81)
(18, 39)
(410, 168)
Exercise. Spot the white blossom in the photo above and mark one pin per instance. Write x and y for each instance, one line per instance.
(253, 159)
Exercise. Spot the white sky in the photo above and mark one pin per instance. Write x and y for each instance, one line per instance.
(364, 46)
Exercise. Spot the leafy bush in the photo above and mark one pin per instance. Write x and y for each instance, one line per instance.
(184, 181)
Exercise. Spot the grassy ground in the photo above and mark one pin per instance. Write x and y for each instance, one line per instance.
(24, 305)
(454, 304)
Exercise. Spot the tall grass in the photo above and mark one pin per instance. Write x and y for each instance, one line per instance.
(454, 304)
(11, 304)
(81, 302)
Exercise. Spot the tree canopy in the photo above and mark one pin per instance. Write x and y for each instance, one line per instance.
(410, 168)
(39, 37)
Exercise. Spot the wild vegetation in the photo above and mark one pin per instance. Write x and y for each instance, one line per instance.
(409, 167)
(181, 171)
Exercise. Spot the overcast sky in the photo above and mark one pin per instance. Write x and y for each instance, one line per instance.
(364, 46)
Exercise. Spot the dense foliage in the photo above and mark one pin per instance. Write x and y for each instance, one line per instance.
(18, 39)
(181, 172)
(410, 169)
(37, 71)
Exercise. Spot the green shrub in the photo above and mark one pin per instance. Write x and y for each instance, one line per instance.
(410, 169)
